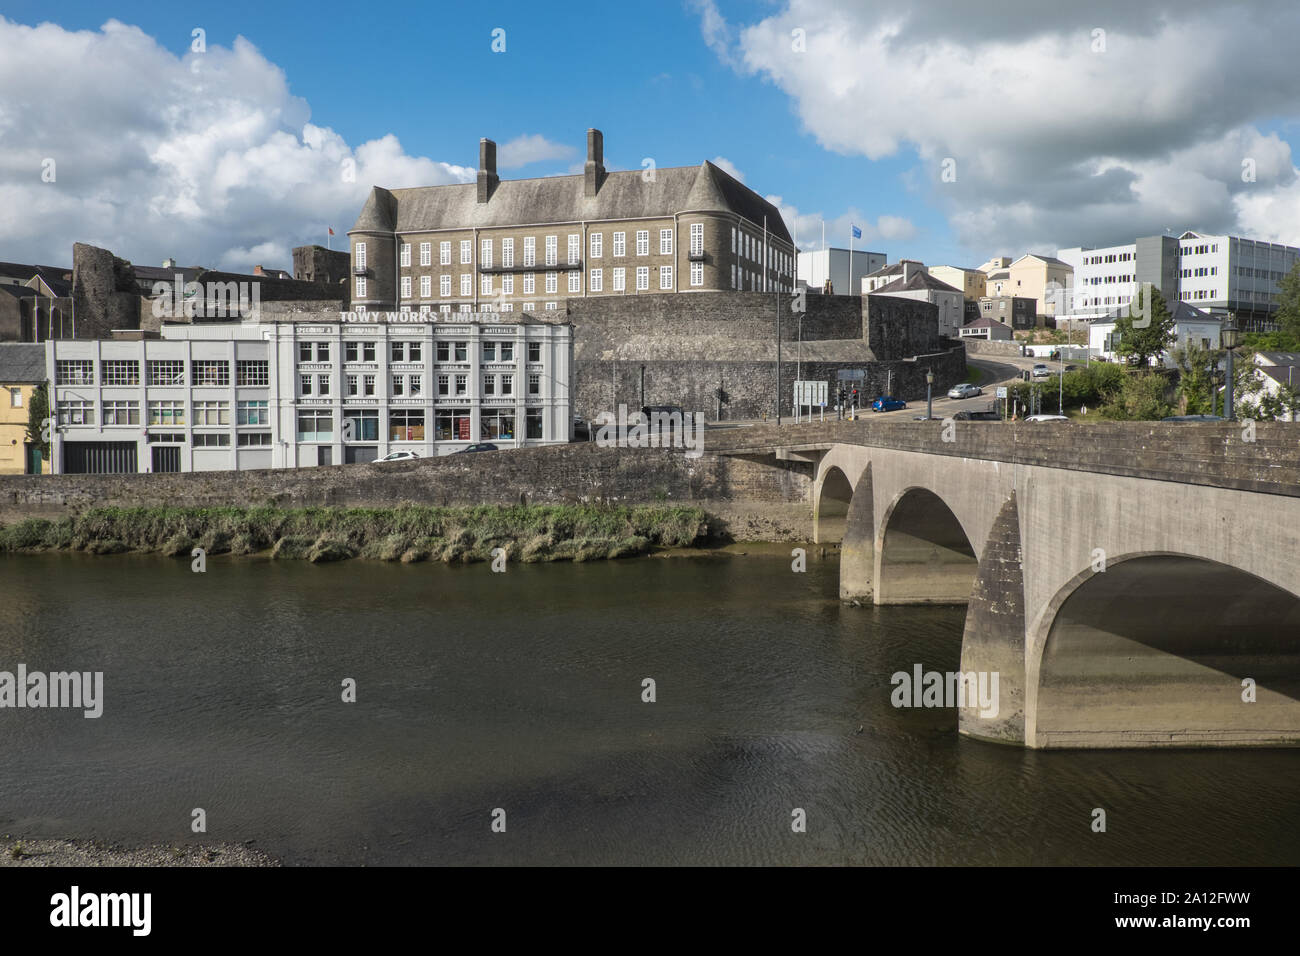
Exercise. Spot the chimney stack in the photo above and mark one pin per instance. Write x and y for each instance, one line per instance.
(487, 169)
(169, 263)
(594, 171)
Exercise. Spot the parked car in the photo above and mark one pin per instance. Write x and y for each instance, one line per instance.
(1047, 418)
(987, 416)
(1041, 371)
(479, 446)
(1072, 368)
(965, 390)
(1194, 418)
(887, 403)
(398, 456)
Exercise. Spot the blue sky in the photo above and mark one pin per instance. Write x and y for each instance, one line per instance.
(852, 129)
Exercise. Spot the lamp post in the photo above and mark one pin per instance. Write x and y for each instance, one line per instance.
(1229, 337)
(929, 384)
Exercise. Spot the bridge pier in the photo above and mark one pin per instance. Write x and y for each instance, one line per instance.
(858, 548)
(994, 638)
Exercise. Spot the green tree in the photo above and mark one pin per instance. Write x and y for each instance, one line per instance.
(1144, 332)
(1196, 380)
(1140, 397)
(1288, 307)
(38, 410)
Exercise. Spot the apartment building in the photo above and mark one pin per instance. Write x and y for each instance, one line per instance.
(971, 282)
(902, 269)
(298, 394)
(1015, 312)
(527, 245)
(22, 370)
(1218, 274)
(844, 269)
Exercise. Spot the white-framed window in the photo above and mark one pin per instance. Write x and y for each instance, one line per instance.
(530, 250)
(119, 372)
(733, 275)
(534, 384)
(426, 253)
(620, 243)
(507, 253)
(444, 286)
(462, 384)
(665, 242)
(642, 278)
(79, 372)
(697, 273)
(466, 284)
(217, 371)
(530, 284)
(399, 382)
(620, 279)
(697, 238)
(426, 286)
(322, 384)
(160, 413)
(415, 384)
(304, 384)
(252, 372)
(122, 413)
(361, 287)
(213, 413)
(507, 285)
(406, 287)
(444, 254)
(252, 413)
(444, 308)
(350, 385)
(552, 247)
(597, 244)
(485, 254)
(406, 254)
(575, 281)
(643, 242)
(466, 307)
(489, 384)
(507, 306)
(596, 281)
(507, 384)
(361, 255)
(528, 306)
(466, 251)
(665, 277)
(552, 306)
(552, 282)
(575, 248)
(367, 385)
(485, 285)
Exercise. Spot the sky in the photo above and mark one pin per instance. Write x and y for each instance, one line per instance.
(947, 131)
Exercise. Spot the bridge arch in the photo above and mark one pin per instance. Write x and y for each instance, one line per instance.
(1153, 651)
(833, 494)
(923, 553)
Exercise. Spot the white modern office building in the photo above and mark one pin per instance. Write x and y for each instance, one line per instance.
(298, 394)
(814, 268)
(1192, 326)
(1218, 274)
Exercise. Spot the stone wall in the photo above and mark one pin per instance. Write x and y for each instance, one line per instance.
(105, 295)
(985, 347)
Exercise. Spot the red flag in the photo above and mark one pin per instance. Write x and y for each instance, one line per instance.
(331, 232)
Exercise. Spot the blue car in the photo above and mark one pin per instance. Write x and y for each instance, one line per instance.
(887, 403)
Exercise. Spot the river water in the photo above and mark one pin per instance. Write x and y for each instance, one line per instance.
(523, 691)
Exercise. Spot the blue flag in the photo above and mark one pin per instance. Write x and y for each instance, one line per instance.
(857, 233)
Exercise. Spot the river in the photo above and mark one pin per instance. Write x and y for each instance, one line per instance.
(523, 691)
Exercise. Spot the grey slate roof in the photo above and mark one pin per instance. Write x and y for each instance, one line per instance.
(554, 199)
(1282, 358)
(918, 281)
(21, 364)
(17, 291)
(1288, 375)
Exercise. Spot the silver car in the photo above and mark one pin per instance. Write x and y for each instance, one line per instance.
(965, 390)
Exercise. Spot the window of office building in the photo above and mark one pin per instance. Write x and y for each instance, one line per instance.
(120, 372)
(697, 273)
(322, 385)
(462, 384)
(361, 287)
(597, 244)
(444, 384)
(426, 253)
(485, 254)
(444, 254)
(496, 423)
(485, 285)
(254, 439)
(461, 351)
(552, 282)
(406, 424)
(665, 277)
(697, 238)
(489, 350)
(315, 425)
(597, 281)
(507, 286)
(534, 351)
(397, 385)
(252, 372)
(534, 384)
(466, 251)
(489, 384)
(444, 286)
(533, 423)
(530, 285)
(643, 242)
(530, 250)
(211, 413)
(351, 385)
(452, 424)
(552, 245)
(166, 413)
(252, 413)
(211, 440)
(575, 281)
(642, 277)
(507, 384)
(361, 424)
(665, 242)
(406, 287)
(76, 372)
(620, 243)
(167, 372)
(507, 253)
(620, 279)
(121, 413)
(361, 255)
(575, 248)
(211, 372)
(466, 284)
(367, 385)
(406, 255)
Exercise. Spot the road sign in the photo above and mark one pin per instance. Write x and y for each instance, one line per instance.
(851, 374)
(1002, 391)
(810, 393)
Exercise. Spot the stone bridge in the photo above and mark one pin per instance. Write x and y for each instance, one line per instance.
(1133, 584)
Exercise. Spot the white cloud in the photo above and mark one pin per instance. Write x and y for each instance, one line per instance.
(1054, 143)
(807, 228)
(728, 167)
(205, 157)
(523, 150)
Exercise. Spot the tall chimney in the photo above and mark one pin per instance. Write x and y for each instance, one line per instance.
(487, 169)
(594, 171)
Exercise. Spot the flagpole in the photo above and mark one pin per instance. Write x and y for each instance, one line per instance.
(850, 281)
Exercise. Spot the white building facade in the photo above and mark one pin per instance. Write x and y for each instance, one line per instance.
(292, 395)
(814, 268)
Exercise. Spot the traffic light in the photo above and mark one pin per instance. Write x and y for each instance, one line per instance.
(855, 398)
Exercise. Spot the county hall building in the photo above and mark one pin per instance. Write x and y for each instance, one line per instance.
(529, 244)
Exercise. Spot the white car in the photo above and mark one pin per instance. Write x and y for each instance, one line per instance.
(1047, 418)
(965, 390)
(397, 456)
(1041, 371)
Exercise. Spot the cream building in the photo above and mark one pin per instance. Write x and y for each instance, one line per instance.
(1030, 277)
(970, 282)
(22, 368)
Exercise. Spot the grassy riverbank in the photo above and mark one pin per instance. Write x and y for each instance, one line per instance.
(408, 533)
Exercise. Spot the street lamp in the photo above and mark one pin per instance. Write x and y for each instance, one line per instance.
(929, 402)
(1229, 337)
